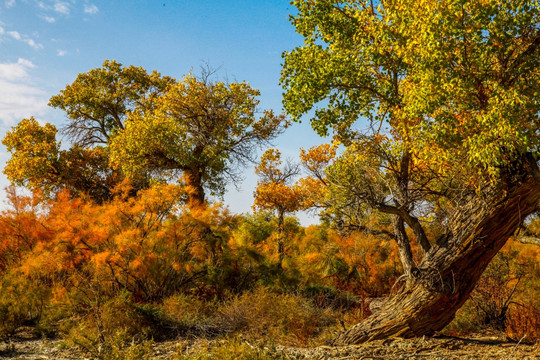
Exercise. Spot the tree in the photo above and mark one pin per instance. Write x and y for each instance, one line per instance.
(96, 105)
(204, 130)
(276, 192)
(35, 151)
(450, 92)
(38, 163)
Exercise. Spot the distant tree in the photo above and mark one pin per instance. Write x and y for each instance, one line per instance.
(38, 163)
(147, 126)
(96, 105)
(276, 191)
(202, 129)
(35, 153)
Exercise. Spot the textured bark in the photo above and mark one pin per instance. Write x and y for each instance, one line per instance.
(193, 181)
(529, 240)
(403, 179)
(450, 270)
(405, 253)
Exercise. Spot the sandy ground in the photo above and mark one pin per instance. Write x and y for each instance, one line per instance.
(443, 348)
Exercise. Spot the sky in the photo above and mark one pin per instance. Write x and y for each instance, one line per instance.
(44, 44)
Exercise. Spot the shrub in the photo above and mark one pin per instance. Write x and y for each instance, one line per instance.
(523, 324)
(284, 317)
(329, 297)
(117, 323)
(21, 302)
(193, 315)
(506, 297)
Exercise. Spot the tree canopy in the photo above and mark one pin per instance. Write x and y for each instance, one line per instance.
(39, 163)
(435, 99)
(202, 129)
(124, 122)
(98, 101)
(454, 82)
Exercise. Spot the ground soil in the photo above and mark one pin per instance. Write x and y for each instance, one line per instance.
(27, 347)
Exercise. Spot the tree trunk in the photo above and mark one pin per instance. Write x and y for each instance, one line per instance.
(280, 242)
(196, 201)
(195, 190)
(405, 253)
(450, 270)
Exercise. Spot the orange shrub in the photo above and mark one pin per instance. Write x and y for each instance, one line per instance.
(364, 264)
(21, 227)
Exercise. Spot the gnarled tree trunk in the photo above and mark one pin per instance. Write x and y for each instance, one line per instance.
(449, 272)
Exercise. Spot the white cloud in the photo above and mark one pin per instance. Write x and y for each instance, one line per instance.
(10, 3)
(60, 52)
(48, 19)
(16, 71)
(61, 7)
(1, 30)
(17, 36)
(33, 44)
(90, 9)
(18, 101)
(18, 97)
(14, 34)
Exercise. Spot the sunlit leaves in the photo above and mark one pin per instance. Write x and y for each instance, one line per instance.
(276, 189)
(98, 101)
(457, 81)
(21, 227)
(34, 160)
(147, 244)
(38, 163)
(204, 130)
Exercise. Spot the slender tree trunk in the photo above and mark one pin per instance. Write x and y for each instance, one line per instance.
(405, 253)
(450, 270)
(280, 244)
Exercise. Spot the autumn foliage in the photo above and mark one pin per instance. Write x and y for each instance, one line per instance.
(115, 240)
(139, 263)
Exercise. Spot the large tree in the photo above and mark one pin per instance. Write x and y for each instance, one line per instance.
(96, 106)
(450, 94)
(200, 129)
(123, 121)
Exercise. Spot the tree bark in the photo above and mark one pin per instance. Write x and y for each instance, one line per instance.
(196, 201)
(195, 190)
(449, 272)
(404, 247)
(403, 179)
(280, 242)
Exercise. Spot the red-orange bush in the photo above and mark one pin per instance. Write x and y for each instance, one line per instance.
(364, 264)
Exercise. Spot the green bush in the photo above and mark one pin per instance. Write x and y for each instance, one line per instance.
(193, 315)
(118, 324)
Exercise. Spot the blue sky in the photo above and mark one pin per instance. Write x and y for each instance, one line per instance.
(44, 44)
